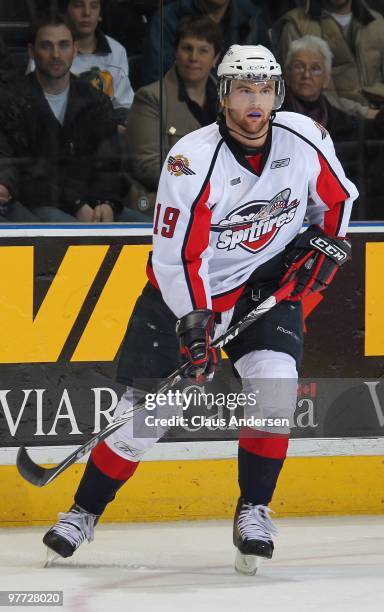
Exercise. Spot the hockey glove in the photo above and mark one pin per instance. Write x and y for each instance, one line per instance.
(194, 332)
(313, 261)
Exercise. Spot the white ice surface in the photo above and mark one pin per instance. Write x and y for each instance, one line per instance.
(320, 564)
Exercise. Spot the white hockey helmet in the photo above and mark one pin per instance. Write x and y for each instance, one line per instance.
(250, 63)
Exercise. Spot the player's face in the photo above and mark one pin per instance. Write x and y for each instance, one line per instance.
(84, 16)
(307, 75)
(249, 105)
(194, 59)
(53, 51)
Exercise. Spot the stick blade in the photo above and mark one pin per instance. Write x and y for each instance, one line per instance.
(30, 471)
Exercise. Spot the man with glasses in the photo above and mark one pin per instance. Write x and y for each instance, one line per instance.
(307, 74)
(355, 35)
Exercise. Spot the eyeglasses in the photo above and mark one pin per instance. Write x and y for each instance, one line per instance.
(314, 70)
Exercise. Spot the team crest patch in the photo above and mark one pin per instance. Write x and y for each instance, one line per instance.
(255, 224)
(322, 129)
(178, 165)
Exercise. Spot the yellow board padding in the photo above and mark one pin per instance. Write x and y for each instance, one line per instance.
(32, 339)
(28, 339)
(374, 299)
(205, 489)
(107, 324)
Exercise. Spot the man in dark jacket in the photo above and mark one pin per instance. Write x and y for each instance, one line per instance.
(62, 134)
(240, 21)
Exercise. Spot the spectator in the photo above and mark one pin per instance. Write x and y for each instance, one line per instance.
(307, 74)
(189, 102)
(355, 35)
(240, 22)
(62, 132)
(308, 71)
(100, 59)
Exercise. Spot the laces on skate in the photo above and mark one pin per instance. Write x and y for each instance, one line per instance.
(83, 523)
(254, 523)
(69, 533)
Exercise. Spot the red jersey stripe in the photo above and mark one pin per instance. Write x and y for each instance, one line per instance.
(151, 276)
(221, 303)
(195, 243)
(333, 194)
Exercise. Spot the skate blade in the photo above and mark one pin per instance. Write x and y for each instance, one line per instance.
(51, 557)
(247, 564)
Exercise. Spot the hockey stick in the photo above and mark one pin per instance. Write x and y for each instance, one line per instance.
(40, 476)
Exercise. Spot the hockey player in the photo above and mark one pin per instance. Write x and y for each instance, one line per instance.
(231, 202)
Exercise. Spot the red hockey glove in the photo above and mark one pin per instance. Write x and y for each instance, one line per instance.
(194, 332)
(314, 260)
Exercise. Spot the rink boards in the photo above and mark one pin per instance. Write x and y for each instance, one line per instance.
(65, 301)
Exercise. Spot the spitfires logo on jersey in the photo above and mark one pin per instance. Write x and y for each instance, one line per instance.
(254, 225)
(178, 165)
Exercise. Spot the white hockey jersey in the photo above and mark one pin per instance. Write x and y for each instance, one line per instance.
(216, 221)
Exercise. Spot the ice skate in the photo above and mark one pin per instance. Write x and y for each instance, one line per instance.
(68, 533)
(252, 535)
